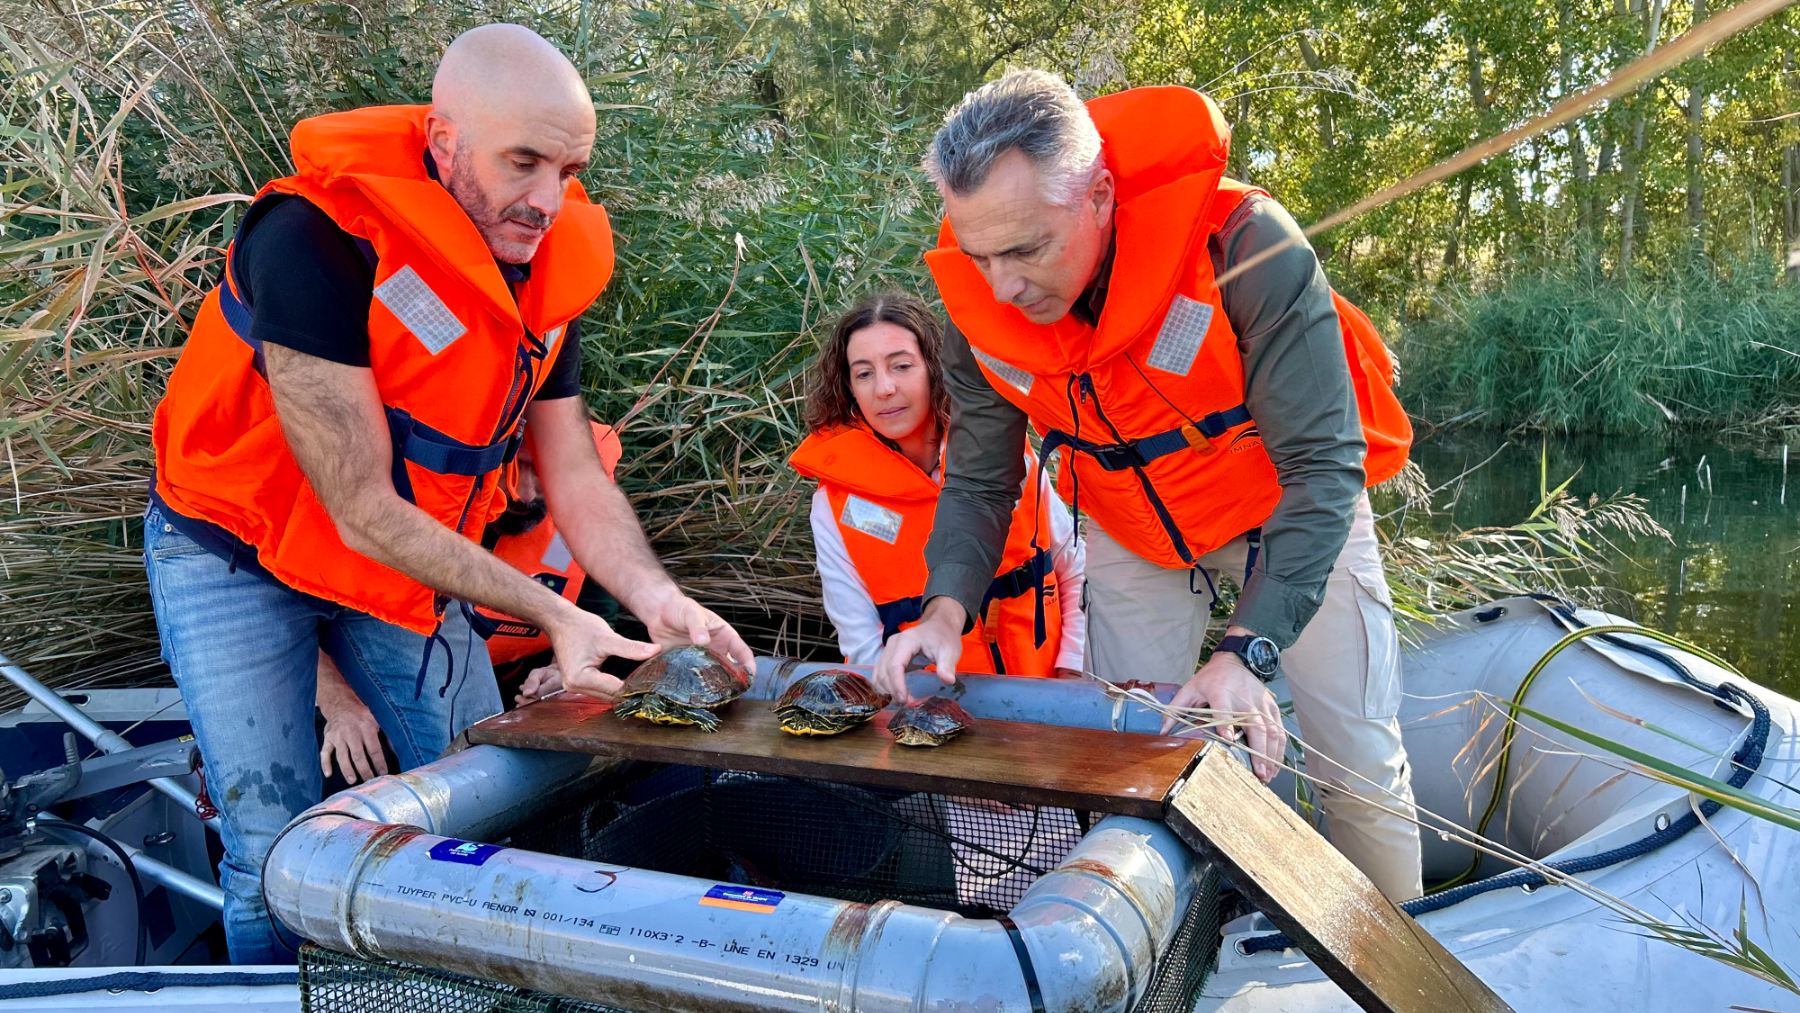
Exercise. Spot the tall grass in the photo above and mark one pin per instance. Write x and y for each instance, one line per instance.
(132, 132)
(1569, 350)
(1556, 548)
(96, 286)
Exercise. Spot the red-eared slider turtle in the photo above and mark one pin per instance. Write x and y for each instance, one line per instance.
(682, 686)
(828, 702)
(932, 721)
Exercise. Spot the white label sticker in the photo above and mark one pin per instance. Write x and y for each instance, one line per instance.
(419, 310)
(557, 555)
(871, 519)
(1183, 330)
(1018, 378)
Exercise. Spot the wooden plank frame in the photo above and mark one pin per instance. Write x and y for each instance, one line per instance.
(1374, 951)
(1017, 762)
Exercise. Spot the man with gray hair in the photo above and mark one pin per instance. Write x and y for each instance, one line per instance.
(1209, 428)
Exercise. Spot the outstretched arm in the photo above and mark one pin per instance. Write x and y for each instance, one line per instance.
(603, 532)
(331, 415)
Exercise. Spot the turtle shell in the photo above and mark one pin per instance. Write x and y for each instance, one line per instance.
(828, 702)
(932, 721)
(682, 686)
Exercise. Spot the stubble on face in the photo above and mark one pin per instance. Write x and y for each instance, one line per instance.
(491, 221)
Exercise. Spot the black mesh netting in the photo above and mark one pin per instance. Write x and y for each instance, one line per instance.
(335, 983)
(968, 855)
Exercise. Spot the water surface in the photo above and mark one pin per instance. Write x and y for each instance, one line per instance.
(1729, 578)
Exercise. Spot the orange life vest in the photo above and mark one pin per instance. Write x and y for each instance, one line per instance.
(543, 556)
(455, 354)
(885, 505)
(1150, 403)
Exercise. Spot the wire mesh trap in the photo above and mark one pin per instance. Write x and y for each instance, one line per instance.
(968, 855)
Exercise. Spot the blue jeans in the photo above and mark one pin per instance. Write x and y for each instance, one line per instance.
(244, 650)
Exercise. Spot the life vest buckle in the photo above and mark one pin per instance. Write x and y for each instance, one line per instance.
(1196, 440)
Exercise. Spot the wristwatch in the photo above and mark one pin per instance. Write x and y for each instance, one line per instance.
(1260, 654)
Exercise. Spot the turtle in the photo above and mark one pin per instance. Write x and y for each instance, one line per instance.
(828, 702)
(932, 721)
(682, 686)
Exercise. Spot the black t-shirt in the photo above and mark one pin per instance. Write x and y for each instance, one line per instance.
(310, 286)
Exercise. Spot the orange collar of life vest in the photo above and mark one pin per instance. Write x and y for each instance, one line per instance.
(854, 458)
(1165, 181)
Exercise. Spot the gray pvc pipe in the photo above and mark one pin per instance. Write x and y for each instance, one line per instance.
(108, 741)
(480, 792)
(346, 874)
(1076, 703)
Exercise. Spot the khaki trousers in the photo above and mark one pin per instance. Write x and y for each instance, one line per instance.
(1343, 674)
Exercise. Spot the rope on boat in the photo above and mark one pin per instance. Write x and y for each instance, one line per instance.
(1744, 762)
(143, 981)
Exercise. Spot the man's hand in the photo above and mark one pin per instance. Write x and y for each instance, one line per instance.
(597, 521)
(674, 619)
(352, 737)
(540, 684)
(582, 641)
(1224, 685)
(1067, 673)
(937, 635)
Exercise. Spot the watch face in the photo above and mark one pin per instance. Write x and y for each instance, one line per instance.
(1260, 654)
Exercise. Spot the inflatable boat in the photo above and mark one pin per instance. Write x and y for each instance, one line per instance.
(508, 879)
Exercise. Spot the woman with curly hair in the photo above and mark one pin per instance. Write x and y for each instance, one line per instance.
(876, 414)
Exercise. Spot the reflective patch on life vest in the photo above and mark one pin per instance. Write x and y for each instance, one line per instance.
(557, 555)
(551, 336)
(1012, 374)
(1183, 329)
(419, 310)
(871, 519)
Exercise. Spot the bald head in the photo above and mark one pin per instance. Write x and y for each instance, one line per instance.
(512, 122)
(496, 72)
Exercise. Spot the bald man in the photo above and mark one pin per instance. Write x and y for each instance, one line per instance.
(342, 422)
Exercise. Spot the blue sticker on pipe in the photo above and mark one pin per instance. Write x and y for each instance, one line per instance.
(742, 898)
(462, 852)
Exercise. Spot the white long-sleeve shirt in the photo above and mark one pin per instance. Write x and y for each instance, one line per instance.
(852, 609)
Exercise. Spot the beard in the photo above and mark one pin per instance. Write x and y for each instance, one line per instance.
(491, 222)
(519, 517)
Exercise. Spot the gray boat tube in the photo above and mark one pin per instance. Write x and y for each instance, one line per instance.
(395, 869)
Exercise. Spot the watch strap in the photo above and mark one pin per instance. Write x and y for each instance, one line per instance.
(1239, 644)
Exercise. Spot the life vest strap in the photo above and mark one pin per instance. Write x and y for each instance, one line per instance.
(413, 440)
(1140, 452)
(1135, 455)
(434, 451)
(897, 613)
(489, 623)
(487, 626)
(1020, 580)
(238, 318)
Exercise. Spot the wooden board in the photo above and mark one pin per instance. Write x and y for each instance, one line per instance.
(1008, 761)
(1374, 951)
